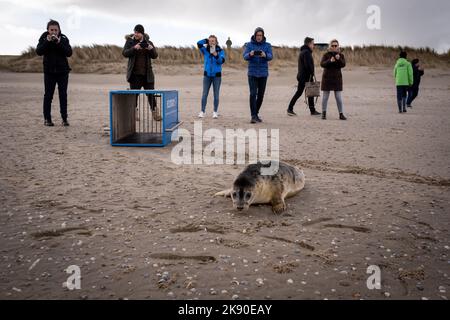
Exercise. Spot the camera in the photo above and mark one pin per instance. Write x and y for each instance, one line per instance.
(144, 45)
(258, 53)
(54, 38)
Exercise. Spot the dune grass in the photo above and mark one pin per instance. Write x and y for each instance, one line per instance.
(108, 58)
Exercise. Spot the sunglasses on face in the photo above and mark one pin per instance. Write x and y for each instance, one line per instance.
(334, 46)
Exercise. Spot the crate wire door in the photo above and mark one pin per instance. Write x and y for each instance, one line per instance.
(143, 118)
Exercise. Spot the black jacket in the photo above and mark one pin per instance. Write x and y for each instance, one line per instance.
(417, 76)
(305, 65)
(55, 54)
(130, 53)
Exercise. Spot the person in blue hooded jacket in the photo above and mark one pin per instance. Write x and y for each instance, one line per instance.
(258, 53)
(214, 58)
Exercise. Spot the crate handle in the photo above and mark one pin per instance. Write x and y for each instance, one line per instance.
(174, 127)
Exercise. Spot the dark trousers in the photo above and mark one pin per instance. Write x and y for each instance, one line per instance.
(257, 90)
(137, 82)
(413, 92)
(298, 94)
(402, 92)
(50, 82)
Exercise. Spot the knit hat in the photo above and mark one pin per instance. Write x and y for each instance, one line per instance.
(139, 28)
(259, 29)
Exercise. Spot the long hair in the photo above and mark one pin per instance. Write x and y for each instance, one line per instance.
(213, 36)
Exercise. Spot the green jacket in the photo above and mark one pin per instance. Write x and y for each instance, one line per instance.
(403, 73)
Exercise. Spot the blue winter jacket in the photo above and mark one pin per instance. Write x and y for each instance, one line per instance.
(213, 64)
(258, 66)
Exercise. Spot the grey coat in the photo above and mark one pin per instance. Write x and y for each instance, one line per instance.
(130, 53)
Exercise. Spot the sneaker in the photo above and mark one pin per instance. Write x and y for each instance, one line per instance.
(342, 117)
(65, 123)
(202, 115)
(48, 123)
(315, 113)
(291, 113)
(215, 115)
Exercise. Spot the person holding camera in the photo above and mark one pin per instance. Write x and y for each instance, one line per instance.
(332, 63)
(306, 73)
(214, 58)
(55, 48)
(140, 51)
(258, 53)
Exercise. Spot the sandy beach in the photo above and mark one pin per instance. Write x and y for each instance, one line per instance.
(141, 227)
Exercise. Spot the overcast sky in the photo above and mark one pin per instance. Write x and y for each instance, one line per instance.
(415, 23)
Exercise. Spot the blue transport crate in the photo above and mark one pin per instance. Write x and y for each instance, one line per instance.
(143, 118)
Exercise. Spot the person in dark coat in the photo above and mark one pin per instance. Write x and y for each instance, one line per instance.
(140, 51)
(413, 91)
(305, 74)
(55, 48)
(332, 62)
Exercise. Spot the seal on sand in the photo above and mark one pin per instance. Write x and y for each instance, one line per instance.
(252, 187)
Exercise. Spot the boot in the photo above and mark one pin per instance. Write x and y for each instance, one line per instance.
(342, 117)
(156, 115)
(324, 115)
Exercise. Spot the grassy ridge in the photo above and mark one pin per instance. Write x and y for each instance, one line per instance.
(109, 59)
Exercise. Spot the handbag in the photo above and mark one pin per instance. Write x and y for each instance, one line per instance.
(312, 88)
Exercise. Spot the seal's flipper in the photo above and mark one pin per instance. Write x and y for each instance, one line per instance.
(226, 193)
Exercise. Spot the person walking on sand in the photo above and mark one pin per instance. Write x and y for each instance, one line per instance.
(214, 58)
(413, 91)
(140, 51)
(305, 74)
(55, 47)
(332, 63)
(258, 53)
(404, 78)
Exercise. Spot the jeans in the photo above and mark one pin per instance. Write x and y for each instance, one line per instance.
(402, 92)
(50, 81)
(338, 96)
(257, 90)
(207, 82)
(137, 82)
(413, 92)
(298, 94)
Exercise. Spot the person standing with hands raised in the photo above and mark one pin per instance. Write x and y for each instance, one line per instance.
(258, 53)
(332, 63)
(140, 51)
(55, 48)
(214, 58)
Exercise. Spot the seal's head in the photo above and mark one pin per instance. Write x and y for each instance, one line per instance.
(243, 193)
